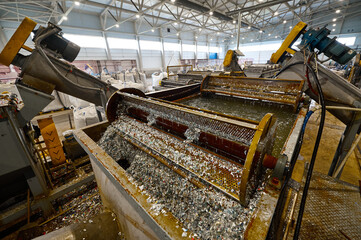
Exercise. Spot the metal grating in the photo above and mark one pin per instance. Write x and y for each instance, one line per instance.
(273, 90)
(204, 166)
(227, 128)
(333, 210)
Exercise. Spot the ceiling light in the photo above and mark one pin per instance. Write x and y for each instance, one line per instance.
(176, 23)
(196, 36)
(137, 16)
(334, 25)
(65, 18)
(338, 11)
(232, 42)
(234, 21)
(249, 27)
(152, 30)
(290, 27)
(200, 29)
(177, 34)
(243, 38)
(232, 35)
(284, 21)
(276, 13)
(260, 31)
(211, 39)
(334, 20)
(217, 33)
(333, 30)
(172, 1)
(77, 3)
(211, 13)
(275, 36)
(251, 40)
(117, 25)
(269, 34)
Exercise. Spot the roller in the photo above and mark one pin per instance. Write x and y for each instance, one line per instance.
(209, 148)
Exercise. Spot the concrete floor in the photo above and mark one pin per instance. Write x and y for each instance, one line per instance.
(331, 135)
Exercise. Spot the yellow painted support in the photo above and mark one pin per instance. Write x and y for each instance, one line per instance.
(228, 58)
(52, 141)
(17, 41)
(287, 43)
(250, 163)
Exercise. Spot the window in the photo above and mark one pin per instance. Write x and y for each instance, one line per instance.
(214, 49)
(86, 41)
(171, 46)
(260, 47)
(201, 48)
(189, 48)
(120, 43)
(348, 41)
(150, 45)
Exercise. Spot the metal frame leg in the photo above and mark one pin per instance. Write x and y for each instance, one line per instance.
(345, 143)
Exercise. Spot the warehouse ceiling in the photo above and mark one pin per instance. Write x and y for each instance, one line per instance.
(259, 19)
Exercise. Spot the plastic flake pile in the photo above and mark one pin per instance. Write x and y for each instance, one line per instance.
(203, 213)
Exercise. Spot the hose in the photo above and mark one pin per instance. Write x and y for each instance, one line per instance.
(314, 154)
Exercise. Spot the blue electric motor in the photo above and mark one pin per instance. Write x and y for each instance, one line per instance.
(330, 47)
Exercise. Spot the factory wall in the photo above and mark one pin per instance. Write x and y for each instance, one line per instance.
(122, 43)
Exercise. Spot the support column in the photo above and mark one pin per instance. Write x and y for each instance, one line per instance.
(238, 29)
(3, 39)
(181, 50)
(345, 144)
(207, 47)
(107, 50)
(140, 58)
(163, 53)
(195, 55)
(139, 51)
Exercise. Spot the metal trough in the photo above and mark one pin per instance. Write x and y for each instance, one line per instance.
(135, 214)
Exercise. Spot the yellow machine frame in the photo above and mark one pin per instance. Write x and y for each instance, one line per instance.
(287, 43)
(17, 41)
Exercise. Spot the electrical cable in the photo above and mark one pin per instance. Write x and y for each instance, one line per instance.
(314, 154)
(308, 79)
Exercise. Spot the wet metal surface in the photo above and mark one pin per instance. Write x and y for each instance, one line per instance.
(249, 110)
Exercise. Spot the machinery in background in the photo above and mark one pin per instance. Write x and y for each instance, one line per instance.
(230, 64)
(261, 70)
(42, 71)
